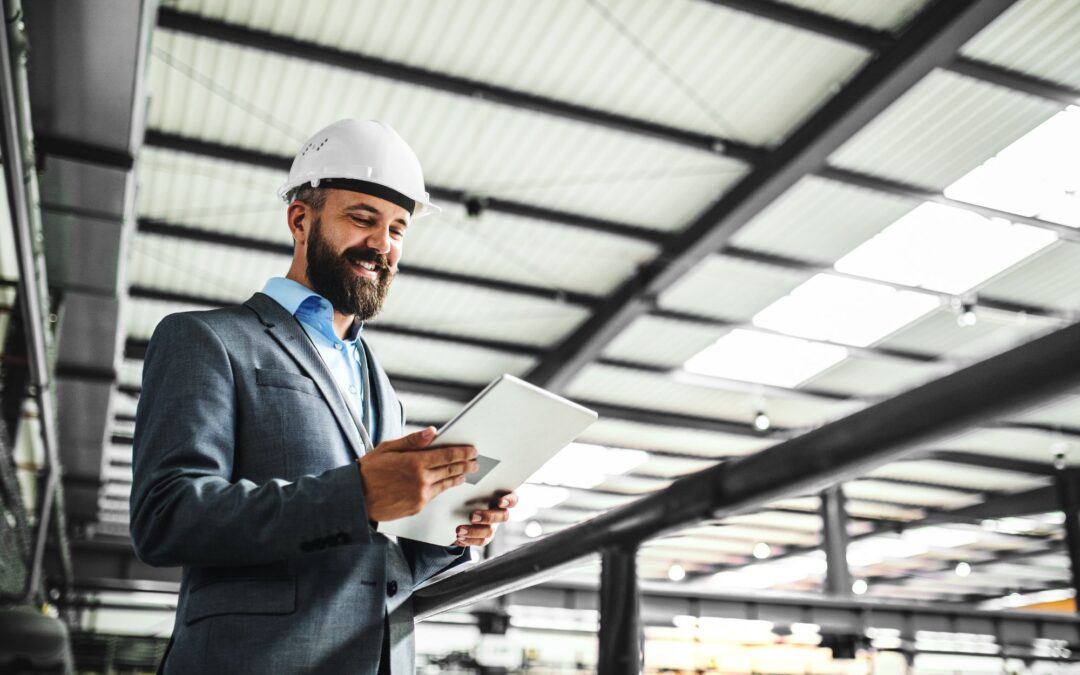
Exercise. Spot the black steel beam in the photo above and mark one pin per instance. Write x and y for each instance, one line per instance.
(1012, 79)
(228, 153)
(48, 145)
(620, 634)
(868, 38)
(830, 454)
(160, 228)
(284, 45)
(1067, 484)
(929, 42)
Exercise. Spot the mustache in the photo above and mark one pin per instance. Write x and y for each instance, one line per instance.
(361, 254)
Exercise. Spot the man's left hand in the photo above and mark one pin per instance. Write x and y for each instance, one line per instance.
(481, 530)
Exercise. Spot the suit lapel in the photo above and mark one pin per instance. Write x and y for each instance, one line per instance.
(290, 335)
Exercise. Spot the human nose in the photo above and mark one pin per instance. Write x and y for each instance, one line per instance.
(379, 240)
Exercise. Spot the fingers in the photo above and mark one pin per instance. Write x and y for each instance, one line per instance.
(455, 469)
(504, 500)
(451, 454)
(417, 440)
(489, 516)
(474, 535)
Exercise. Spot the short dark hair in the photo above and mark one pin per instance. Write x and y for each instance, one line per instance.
(312, 196)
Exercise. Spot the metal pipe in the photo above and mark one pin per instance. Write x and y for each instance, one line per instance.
(16, 137)
(620, 613)
(809, 463)
(835, 541)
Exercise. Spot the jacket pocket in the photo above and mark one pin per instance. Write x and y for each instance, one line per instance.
(271, 377)
(241, 596)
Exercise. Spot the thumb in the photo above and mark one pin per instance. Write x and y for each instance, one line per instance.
(417, 440)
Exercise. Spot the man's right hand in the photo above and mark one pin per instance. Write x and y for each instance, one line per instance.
(401, 476)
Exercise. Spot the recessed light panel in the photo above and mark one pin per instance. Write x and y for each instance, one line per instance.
(848, 311)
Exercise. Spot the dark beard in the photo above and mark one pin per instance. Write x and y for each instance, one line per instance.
(332, 276)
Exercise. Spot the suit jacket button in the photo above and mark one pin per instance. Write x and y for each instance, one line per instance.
(391, 588)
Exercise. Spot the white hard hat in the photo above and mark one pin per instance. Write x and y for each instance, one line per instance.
(364, 156)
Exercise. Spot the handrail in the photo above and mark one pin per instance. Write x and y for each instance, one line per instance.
(806, 464)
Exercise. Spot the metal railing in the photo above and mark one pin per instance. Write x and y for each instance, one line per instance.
(806, 464)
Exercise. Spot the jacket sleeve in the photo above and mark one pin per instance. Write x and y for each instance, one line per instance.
(185, 507)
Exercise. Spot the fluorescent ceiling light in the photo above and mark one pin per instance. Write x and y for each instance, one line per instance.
(941, 537)
(585, 466)
(1038, 175)
(849, 311)
(760, 357)
(945, 249)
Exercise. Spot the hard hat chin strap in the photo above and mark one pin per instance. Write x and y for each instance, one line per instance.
(368, 188)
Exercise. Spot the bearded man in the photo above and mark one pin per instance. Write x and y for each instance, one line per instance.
(269, 442)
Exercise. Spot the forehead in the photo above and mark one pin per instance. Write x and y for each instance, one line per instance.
(347, 200)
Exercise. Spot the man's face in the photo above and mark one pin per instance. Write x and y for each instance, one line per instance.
(353, 251)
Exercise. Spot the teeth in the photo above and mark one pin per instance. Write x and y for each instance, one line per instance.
(368, 266)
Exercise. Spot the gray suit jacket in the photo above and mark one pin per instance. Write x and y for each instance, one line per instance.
(245, 474)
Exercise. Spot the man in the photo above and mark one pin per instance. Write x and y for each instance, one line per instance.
(268, 442)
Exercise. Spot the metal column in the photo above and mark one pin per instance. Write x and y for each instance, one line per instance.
(835, 541)
(1069, 499)
(620, 613)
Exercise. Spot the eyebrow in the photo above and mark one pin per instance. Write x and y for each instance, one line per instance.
(371, 209)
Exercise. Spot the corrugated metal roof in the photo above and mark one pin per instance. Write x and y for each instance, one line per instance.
(663, 342)
(142, 316)
(478, 146)
(671, 467)
(1037, 37)
(939, 333)
(621, 386)
(1064, 411)
(422, 409)
(736, 75)
(953, 475)
(496, 246)
(196, 268)
(788, 521)
(732, 289)
(408, 356)
(820, 220)
(1050, 278)
(859, 376)
(942, 128)
(622, 434)
(914, 495)
(891, 15)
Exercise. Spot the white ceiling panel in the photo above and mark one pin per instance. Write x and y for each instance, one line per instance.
(911, 495)
(683, 64)
(672, 467)
(1026, 444)
(481, 147)
(423, 409)
(1050, 278)
(142, 316)
(942, 128)
(891, 16)
(195, 268)
(1036, 37)
(729, 288)
(624, 434)
(950, 474)
(1063, 412)
(939, 333)
(407, 356)
(621, 386)
(820, 221)
(872, 377)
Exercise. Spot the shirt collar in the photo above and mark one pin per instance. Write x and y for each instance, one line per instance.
(307, 306)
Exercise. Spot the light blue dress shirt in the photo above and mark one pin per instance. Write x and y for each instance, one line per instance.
(345, 359)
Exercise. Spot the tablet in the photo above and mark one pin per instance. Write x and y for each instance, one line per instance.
(516, 428)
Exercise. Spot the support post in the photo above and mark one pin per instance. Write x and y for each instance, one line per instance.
(620, 613)
(835, 541)
(1068, 487)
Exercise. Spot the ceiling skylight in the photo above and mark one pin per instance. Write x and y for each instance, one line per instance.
(849, 311)
(945, 249)
(582, 465)
(1038, 175)
(761, 357)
